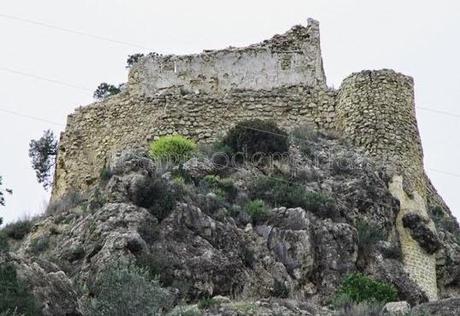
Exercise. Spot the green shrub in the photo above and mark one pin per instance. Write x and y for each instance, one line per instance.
(173, 148)
(210, 181)
(13, 293)
(368, 236)
(121, 291)
(280, 289)
(279, 192)
(304, 137)
(133, 59)
(149, 231)
(256, 136)
(220, 155)
(443, 221)
(155, 263)
(4, 246)
(248, 256)
(361, 288)
(18, 229)
(39, 244)
(224, 188)
(154, 194)
(105, 175)
(257, 210)
(437, 211)
(105, 90)
(207, 303)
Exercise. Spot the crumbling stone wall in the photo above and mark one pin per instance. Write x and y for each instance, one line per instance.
(282, 79)
(95, 131)
(293, 58)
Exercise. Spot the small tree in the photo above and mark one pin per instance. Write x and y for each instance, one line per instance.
(105, 90)
(43, 153)
(2, 196)
(133, 59)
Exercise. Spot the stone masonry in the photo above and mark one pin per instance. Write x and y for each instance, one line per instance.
(290, 59)
(282, 79)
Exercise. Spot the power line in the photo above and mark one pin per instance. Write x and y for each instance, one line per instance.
(43, 24)
(63, 29)
(250, 128)
(33, 76)
(55, 81)
(444, 172)
(438, 111)
(301, 138)
(30, 117)
(74, 86)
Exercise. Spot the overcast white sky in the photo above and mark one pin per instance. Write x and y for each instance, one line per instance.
(417, 37)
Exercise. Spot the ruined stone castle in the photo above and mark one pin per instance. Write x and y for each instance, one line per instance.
(282, 79)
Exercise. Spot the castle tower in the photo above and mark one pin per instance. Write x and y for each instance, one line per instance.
(376, 111)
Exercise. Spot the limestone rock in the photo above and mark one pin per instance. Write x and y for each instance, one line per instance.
(130, 160)
(401, 308)
(446, 307)
(197, 168)
(53, 290)
(336, 252)
(290, 241)
(419, 230)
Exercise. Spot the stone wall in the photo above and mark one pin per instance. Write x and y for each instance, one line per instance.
(293, 58)
(376, 111)
(420, 265)
(95, 131)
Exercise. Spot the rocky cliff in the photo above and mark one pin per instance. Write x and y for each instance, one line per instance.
(189, 227)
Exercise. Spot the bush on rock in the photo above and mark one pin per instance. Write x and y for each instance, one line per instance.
(173, 148)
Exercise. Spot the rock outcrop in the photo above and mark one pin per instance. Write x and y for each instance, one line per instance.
(202, 243)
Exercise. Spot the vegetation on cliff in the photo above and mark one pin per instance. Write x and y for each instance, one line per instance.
(43, 152)
(201, 235)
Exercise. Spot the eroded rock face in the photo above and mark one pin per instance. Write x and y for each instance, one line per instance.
(204, 254)
(200, 248)
(337, 251)
(419, 230)
(290, 240)
(396, 309)
(55, 293)
(446, 307)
